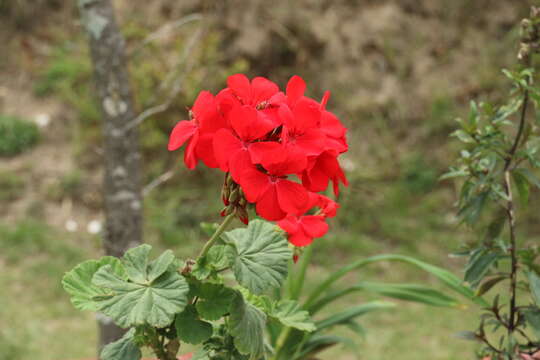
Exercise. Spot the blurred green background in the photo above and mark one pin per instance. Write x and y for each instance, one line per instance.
(399, 71)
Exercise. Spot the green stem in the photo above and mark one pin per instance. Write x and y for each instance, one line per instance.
(280, 343)
(216, 235)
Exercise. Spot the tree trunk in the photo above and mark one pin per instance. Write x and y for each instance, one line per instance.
(121, 186)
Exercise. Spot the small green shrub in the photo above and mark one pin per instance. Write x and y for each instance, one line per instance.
(16, 135)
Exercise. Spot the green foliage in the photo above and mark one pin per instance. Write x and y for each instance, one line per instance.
(290, 314)
(261, 255)
(302, 345)
(16, 135)
(157, 302)
(479, 264)
(124, 349)
(78, 282)
(247, 324)
(497, 167)
(214, 300)
(409, 292)
(150, 295)
(190, 328)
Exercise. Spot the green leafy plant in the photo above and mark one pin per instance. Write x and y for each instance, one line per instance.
(16, 135)
(261, 144)
(498, 167)
(293, 343)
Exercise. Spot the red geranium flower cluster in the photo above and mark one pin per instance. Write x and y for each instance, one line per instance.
(265, 139)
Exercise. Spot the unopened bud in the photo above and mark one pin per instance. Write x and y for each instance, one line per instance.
(233, 197)
(230, 180)
(242, 202)
(242, 215)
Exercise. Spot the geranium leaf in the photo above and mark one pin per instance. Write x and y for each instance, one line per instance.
(290, 314)
(160, 265)
(143, 298)
(78, 281)
(136, 263)
(123, 349)
(262, 255)
(246, 325)
(214, 301)
(221, 256)
(190, 328)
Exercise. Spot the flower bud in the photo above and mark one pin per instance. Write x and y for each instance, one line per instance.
(229, 180)
(242, 215)
(233, 197)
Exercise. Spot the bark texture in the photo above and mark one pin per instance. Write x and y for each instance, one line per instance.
(121, 187)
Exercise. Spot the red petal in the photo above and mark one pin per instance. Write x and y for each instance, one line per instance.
(262, 89)
(286, 115)
(300, 239)
(239, 162)
(315, 179)
(268, 206)
(314, 226)
(327, 205)
(292, 196)
(205, 150)
(226, 100)
(312, 142)
(190, 159)
(289, 224)
(278, 99)
(206, 113)
(181, 132)
(291, 161)
(266, 152)
(254, 183)
(248, 123)
(241, 87)
(307, 114)
(295, 88)
(225, 145)
(331, 125)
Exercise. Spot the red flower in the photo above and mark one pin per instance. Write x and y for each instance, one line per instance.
(323, 169)
(253, 93)
(275, 196)
(206, 121)
(300, 128)
(232, 147)
(328, 206)
(265, 138)
(303, 229)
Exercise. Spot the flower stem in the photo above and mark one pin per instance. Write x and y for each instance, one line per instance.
(280, 343)
(216, 235)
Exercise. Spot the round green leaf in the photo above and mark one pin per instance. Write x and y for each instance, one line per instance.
(262, 255)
